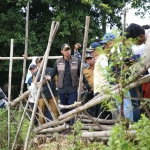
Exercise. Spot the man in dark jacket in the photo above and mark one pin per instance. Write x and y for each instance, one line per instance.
(68, 70)
(47, 95)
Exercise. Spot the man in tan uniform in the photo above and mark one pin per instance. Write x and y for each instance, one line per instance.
(89, 72)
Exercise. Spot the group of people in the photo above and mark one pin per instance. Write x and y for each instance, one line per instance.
(66, 72)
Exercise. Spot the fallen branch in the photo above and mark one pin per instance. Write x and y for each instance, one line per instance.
(70, 106)
(56, 129)
(102, 134)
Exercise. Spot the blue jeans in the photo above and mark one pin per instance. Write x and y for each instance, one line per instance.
(127, 107)
(68, 99)
(3, 106)
(135, 103)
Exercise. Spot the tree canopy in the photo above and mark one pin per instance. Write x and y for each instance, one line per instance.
(71, 15)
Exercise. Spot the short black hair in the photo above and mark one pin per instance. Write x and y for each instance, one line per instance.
(146, 26)
(134, 30)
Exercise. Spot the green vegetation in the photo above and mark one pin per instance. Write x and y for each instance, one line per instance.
(15, 120)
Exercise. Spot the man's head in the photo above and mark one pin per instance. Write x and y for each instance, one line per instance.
(38, 61)
(33, 68)
(90, 59)
(66, 50)
(77, 46)
(108, 40)
(93, 48)
(135, 31)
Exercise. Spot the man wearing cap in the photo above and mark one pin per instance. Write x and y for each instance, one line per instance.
(47, 95)
(68, 70)
(33, 69)
(100, 80)
(89, 75)
(110, 49)
(89, 72)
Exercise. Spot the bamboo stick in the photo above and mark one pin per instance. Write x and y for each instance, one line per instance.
(91, 118)
(28, 58)
(9, 89)
(76, 104)
(103, 127)
(52, 123)
(48, 106)
(25, 50)
(101, 121)
(102, 134)
(83, 56)
(41, 79)
(56, 129)
(53, 98)
(20, 124)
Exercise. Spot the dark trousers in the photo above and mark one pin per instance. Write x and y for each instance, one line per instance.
(68, 99)
(135, 103)
(35, 120)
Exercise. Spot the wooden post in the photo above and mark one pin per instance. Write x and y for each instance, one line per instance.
(83, 56)
(52, 32)
(9, 89)
(25, 50)
(20, 124)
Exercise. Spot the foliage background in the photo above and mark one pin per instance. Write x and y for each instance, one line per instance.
(71, 15)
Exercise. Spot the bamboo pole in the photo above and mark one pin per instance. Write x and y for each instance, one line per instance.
(25, 50)
(87, 21)
(104, 127)
(20, 124)
(48, 106)
(52, 123)
(83, 56)
(56, 129)
(53, 98)
(9, 89)
(76, 104)
(102, 134)
(101, 121)
(52, 32)
(28, 58)
(91, 118)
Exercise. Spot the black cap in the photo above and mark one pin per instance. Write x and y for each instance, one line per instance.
(89, 55)
(38, 59)
(65, 46)
(32, 67)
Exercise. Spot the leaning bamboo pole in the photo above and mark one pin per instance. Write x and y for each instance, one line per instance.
(20, 124)
(25, 50)
(83, 56)
(102, 134)
(9, 88)
(52, 33)
(56, 129)
(28, 58)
